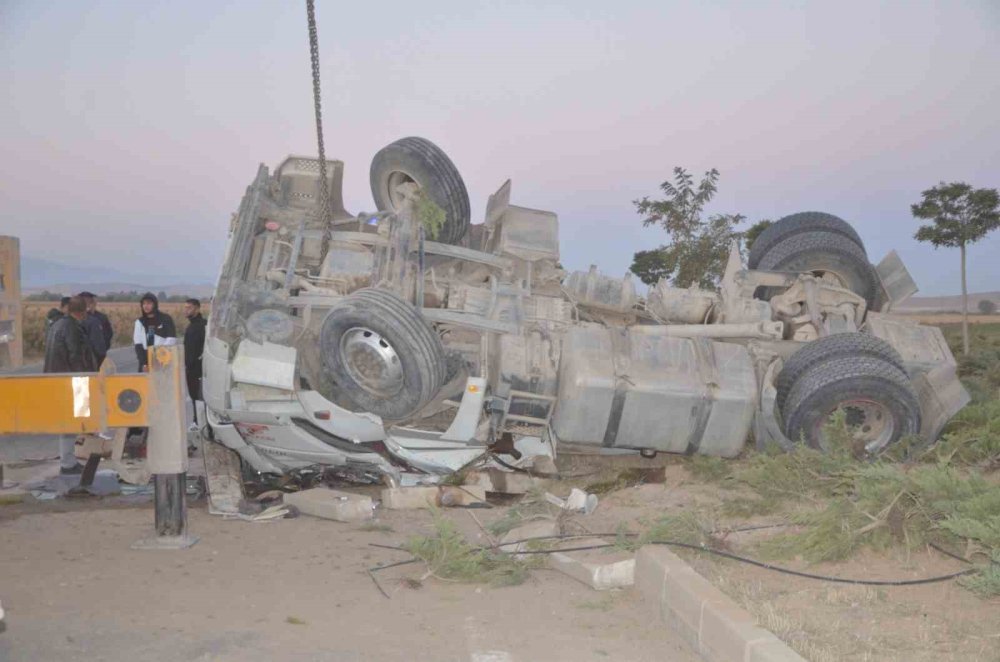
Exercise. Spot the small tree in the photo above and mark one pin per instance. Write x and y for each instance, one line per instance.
(987, 307)
(752, 232)
(962, 215)
(696, 254)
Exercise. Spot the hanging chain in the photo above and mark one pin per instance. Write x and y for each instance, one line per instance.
(323, 207)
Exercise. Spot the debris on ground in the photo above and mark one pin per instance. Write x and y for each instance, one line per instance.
(630, 477)
(450, 557)
(104, 483)
(332, 504)
(600, 569)
(578, 501)
(411, 498)
(513, 482)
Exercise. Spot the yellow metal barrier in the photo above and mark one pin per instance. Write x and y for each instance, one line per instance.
(72, 404)
(91, 402)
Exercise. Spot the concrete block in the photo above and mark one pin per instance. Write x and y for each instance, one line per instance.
(772, 650)
(332, 504)
(542, 528)
(412, 498)
(683, 597)
(710, 621)
(601, 570)
(513, 482)
(479, 479)
(727, 630)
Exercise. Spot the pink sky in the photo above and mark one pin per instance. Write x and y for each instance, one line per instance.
(130, 130)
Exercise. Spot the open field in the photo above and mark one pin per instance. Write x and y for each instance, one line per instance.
(122, 316)
(950, 318)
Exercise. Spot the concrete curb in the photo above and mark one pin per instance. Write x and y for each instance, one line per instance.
(709, 620)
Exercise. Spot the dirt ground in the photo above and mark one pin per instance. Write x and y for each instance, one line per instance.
(299, 589)
(823, 621)
(285, 590)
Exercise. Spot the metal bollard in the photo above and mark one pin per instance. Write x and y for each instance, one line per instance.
(166, 450)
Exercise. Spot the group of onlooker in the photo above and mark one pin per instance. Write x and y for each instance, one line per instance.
(78, 337)
(94, 328)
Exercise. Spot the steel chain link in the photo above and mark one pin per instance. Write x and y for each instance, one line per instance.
(323, 205)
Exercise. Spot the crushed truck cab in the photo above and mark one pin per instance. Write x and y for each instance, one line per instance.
(411, 341)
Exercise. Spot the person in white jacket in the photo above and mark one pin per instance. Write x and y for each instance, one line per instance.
(153, 329)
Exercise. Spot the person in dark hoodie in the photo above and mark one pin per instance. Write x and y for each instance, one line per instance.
(194, 347)
(98, 336)
(152, 329)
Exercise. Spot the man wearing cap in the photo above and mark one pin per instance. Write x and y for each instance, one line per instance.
(97, 326)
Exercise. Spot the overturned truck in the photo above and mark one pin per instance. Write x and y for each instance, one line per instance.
(410, 341)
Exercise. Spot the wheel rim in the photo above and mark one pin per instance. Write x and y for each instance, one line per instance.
(372, 362)
(868, 422)
(396, 179)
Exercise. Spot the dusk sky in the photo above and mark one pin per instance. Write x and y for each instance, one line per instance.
(130, 130)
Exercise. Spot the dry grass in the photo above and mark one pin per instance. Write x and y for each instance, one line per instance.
(122, 316)
(950, 318)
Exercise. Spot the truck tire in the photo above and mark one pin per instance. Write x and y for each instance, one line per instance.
(421, 161)
(382, 356)
(836, 346)
(822, 253)
(805, 221)
(877, 396)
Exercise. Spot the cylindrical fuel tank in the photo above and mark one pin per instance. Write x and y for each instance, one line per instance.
(636, 388)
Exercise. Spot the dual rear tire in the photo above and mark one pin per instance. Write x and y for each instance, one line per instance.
(858, 374)
(817, 243)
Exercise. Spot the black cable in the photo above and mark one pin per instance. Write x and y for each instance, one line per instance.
(392, 547)
(372, 571)
(956, 556)
(951, 554)
(718, 552)
(809, 575)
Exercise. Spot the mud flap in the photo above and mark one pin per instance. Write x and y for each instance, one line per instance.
(941, 396)
(222, 479)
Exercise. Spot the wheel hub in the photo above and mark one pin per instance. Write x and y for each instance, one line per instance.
(869, 423)
(371, 362)
(396, 179)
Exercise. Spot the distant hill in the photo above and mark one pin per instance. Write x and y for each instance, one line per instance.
(199, 290)
(38, 272)
(948, 303)
(38, 275)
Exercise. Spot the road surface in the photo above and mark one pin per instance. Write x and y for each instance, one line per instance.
(124, 358)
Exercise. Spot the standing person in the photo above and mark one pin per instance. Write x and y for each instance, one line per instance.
(152, 329)
(106, 328)
(67, 350)
(94, 326)
(194, 347)
(55, 314)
